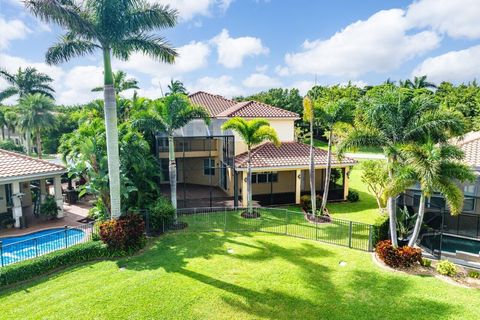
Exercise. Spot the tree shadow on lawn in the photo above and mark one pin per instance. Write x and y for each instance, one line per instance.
(366, 295)
(366, 202)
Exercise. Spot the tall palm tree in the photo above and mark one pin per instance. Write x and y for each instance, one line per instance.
(3, 123)
(11, 119)
(253, 132)
(115, 27)
(329, 115)
(308, 116)
(176, 87)
(418, 83)
(26, 81)
(437, 169)
(120, 82)
(36, 116)
(391, 118)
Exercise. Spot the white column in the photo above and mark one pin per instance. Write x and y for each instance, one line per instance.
(298, 184)
(346, 184)
(244, 189)
(57, 181)
(17, 203)
(43, 190)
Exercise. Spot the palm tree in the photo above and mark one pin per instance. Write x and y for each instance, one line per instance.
(329, 115)
(391, 118)
(11, 119)
(437, 169)
(121, 83)
(176, 87)
(116, 28)
(3, 123)
(23, 82)
(418, 83)
(253, 132)
(309, 117)
(36, 116)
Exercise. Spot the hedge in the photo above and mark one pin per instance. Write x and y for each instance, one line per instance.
(32, 268)
(380, 229)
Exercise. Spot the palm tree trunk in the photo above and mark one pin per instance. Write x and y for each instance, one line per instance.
(419, 222)
(28, 140)
(3, 133)
(110, 110)
(172, 171)
(313, 193)
(328, 173)
(392, 213)
(249, 184)
(39, 143)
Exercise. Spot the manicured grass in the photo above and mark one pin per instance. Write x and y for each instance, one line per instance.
(192, 276)
(324, 145)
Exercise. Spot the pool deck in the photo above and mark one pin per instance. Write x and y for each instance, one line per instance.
(72, 213)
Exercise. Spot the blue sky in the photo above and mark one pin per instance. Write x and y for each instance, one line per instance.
(237, 47)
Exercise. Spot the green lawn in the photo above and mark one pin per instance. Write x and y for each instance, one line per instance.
(324, 145)
(192, 276)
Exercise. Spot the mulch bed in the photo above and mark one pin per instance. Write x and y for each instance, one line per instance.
(254, 215)
(316, 219)
(178, 226)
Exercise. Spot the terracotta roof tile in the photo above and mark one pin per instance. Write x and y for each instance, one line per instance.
(470, 144)
(289, 154)
(14, 164)
(213, 103)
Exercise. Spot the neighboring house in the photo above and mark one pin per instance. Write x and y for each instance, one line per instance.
(462, 232)
(212, 163)
(17, 174)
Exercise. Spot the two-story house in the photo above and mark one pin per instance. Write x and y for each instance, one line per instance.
(212, 163)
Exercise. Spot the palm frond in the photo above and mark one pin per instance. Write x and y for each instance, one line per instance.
(155, 47)
(68, 48)
(151, 16)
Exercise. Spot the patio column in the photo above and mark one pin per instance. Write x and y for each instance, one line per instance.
(57, 182)
(298, 185)
(244, 189)
(43, 190)
(345, 183)
(17, 203)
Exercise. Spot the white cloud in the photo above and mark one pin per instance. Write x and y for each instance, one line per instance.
(260, 80)
(262, 69)
(282, 71)
(188, 9)
(459, 18)
(78, 83)
(379, 44)
(191, 57)
(11, 30)
(455, 66)
(232, 51)
(303, 86)
(222, 85)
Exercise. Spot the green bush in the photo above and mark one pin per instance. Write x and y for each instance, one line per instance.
(306, 202)
(353, 196)
(160, 213)
(426, 262)
(32, 268)
(11, 146)
(474, 274)
(125, 234)
(49, 207)
(446, 268)
(380, 229)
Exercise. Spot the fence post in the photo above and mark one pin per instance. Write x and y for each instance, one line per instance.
(1, 253)
(350, 235)
(316, 229)
(36, 246)
(286, 222)
(370, 238)
(225, 219)
(66, 243)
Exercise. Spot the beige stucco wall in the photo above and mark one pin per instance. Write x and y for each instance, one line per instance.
(194, 171)
(3, 199)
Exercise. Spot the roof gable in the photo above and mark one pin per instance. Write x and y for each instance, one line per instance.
(13, 164)
(214, 104)
(470, 145)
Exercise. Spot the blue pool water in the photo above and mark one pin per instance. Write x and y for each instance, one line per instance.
(451, 243)
(15, 249)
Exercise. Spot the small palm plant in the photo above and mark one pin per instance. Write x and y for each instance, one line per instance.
(252, 132)
(121, 83)
(117, 28)
(437, 169)
(36, 116)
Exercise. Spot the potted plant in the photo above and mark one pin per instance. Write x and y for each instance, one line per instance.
(49, 208)
(8, 223)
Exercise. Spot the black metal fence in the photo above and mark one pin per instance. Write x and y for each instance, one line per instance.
(341, 232)
(12, 251)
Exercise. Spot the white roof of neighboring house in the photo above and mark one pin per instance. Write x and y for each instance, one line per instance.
(470, 144)
(14, 165)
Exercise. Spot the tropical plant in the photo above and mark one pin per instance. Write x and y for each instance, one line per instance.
(10, 145)
(121, 82)
(390, 117)
(437, 169)
(176, 87)
(3, 123)
(36, 116)
(26, 81)
(405, 222)
(11, 119)
(49, 207)
(308, 116)
(252, 132)
(116, 28)
(330, 114)
(418, 83)
(168, 114)
(375, 177)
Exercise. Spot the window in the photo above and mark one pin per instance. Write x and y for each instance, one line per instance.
(264, 177)
(469, 190)
(469, 204)
(209, 167)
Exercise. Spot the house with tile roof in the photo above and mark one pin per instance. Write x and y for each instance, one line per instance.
(211, 162)
(17, 172)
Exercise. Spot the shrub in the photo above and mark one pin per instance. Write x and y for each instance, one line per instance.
(426, 262)
(446, 268)
(353, 196)
(400, 257)
(306, 202)
(126, 234)
(380, 229)
(160, 213)
(49, 207)
(32, 268)
(11, 146)
(474, 274)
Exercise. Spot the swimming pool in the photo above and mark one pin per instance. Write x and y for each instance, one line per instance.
(451, 243)
(15, 249)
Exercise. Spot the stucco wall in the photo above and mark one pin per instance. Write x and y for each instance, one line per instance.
(194, 171)
(3, 199)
